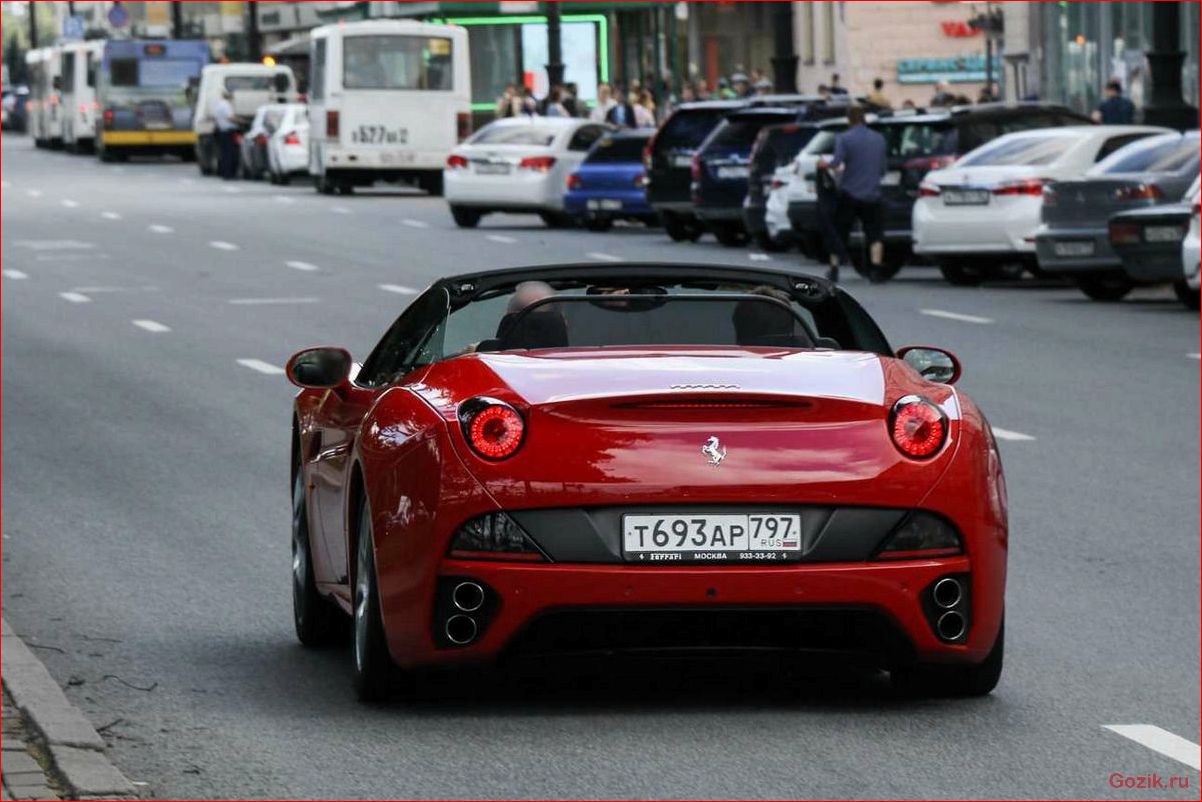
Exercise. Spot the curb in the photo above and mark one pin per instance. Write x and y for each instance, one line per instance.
(76, 750)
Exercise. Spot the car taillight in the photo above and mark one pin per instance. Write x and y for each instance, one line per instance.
(332, 124)
(926, 190)
(456, 162)
(54, 100)
(1124, 233)
(640, 180)
(463, 125)
(238, 138)
(776, 183)
(260, 139)
(1196, 209)
(292, 138)
(108, 118)
(492, 428)
(83, 109)
(539, 164)
(1029, 187)
(647, 151)
(575, 181)
(95, 105)
(494, 536)
(695, 167)
(1139, 192)
(918, 427)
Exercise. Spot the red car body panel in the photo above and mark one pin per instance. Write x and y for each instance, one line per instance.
(605, 427)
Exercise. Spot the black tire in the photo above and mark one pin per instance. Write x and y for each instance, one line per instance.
(732, 235)
(324, 185)
(954, 680)
(344, 189)
(880, 274)
(315, 619)
(372, 665)
(1107, 289)
(466, 218)
(681, 230)
(1190, 298)
(961, 275)
(556, 219)
(599, 223)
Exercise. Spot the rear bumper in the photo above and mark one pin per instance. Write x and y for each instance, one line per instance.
(1154, 264)
(803, 215)
(1103, 259)
(633, 203)
(891, 594)
(147, 138)
(527, 190)
(338, 157)
(996, 229)
(718, 214)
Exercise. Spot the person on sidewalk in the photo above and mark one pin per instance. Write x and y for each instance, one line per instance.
(861, 153)
(1115, 109)
(227, 129)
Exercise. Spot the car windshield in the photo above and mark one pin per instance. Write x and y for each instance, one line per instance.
(521, 134)
(1020, 151)
(688, 128)
(1162, 155)
(613, 150)
(396, 62)
(822, 143)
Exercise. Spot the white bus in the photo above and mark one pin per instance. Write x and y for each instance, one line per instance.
(45, 97)
(388, 100)
(79, 67)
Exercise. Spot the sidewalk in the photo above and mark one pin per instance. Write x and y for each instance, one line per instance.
(50, 749)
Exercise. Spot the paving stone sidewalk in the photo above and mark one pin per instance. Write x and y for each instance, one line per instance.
(21, 774)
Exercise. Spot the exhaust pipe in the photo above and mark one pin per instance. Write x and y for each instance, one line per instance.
(950, 626)
(947, 593)
(460, 629)
(468, 596)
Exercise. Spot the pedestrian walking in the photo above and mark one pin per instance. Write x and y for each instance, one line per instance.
(227, 129)
(1115, 109)
(623, 114)
(861, 153)
(605, 102)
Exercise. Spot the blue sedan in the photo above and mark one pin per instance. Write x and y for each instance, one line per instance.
(609, 185)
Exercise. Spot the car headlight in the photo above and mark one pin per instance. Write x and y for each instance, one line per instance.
(921, 534)
(494, 536)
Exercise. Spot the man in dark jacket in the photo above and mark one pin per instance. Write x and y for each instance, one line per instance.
(1115, 109)
(862, 153)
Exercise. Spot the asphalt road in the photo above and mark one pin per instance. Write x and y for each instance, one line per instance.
(146, 513)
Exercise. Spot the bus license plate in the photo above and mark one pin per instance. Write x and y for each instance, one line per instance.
(708, 537)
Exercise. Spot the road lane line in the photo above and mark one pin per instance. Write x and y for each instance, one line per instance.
(1194, 356)
(295, 265)
(399, 289)
(70, 204)
(604, 257)
(340, 210)
(270, 301)
(1162, 741)
(110, 215)
(956, 316)
(34, 193)
(501, 238)
(160, 229)
(75, 297)
(14, 274)
(285, 199)
(1006, 434)
(415, 223)
(231, 190)
(152, 326)
(222, 245)
(261, 366)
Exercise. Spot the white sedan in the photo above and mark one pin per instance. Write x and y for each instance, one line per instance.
(288, 147)
(518, 164)
(1191, 251)
(980, 215)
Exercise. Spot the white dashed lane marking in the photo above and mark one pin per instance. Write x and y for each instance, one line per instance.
(415, 223)
(110, 215)
(956, 316)
(152, 326)
(261, 366)
(222, 245)
(34, 193)
(14, 274)
(70, 204)
(160, 229)
(75, 297)
(501, 238)
(231, 190)
(285, 199)
(1194, 356)
(270, 301)
(399, 289)
(301, 266)
(1006, 434)
(340, 210)
(1162, 741)
(603, 257)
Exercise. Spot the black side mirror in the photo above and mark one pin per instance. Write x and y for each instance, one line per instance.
(319, 368)
(933, 364)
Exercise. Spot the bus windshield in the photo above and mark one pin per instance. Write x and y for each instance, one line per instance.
(397, 62)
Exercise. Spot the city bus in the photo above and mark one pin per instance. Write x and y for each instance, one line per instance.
(45, 119)
(388, 100)
(146, 90)
(79, 65)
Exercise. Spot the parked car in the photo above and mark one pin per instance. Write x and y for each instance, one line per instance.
(253, 145)
(978, 218)
(800, 192)
(518, 164)
(668, 161)
(1150, 242)
(288, 146)
(1191, 252)
(608, 185)
(1074, 240)
(771, 157)
(16, 113)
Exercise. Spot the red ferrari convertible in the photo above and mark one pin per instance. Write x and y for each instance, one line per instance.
(584, 458)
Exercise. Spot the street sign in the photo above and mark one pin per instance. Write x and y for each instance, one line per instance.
(118, 16)
(73, 27)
